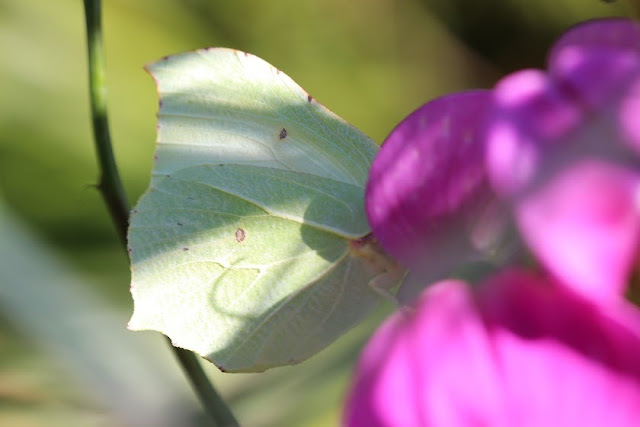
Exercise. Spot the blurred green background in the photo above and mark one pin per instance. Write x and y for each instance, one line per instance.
(65, 356)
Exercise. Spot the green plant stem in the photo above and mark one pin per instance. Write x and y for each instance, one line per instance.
(112, 191)
(109, 182)
(208, 395)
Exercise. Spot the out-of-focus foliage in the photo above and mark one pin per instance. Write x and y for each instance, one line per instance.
(370, 61)
(514, 34)
(53, 307)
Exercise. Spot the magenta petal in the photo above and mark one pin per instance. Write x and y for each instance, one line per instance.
(427, 185)
(530, 117)
(584, 225)
(598, 64)
(563, 361)
(543, 134)
(604, 51)
(523, 352)
(431, 368)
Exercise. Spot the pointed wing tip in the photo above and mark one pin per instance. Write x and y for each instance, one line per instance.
(151, 67)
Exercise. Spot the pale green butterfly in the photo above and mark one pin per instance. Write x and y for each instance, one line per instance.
(251, 245)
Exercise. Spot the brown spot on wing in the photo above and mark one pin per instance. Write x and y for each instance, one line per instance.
(240, 235)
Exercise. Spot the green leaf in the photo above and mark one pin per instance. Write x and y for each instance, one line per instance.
(250, 246)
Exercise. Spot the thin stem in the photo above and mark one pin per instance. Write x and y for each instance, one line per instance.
(209, 397)
(109, 182)
(114, 196)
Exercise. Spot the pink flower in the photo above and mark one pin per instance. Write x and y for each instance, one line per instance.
(516, 351)
(429, 172)
(560, 148)
(563, 147)
(428, 197)
(557, 151)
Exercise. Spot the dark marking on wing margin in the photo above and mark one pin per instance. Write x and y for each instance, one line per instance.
(283, 133)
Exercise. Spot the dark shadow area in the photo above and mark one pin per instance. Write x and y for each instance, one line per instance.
(515, 34)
